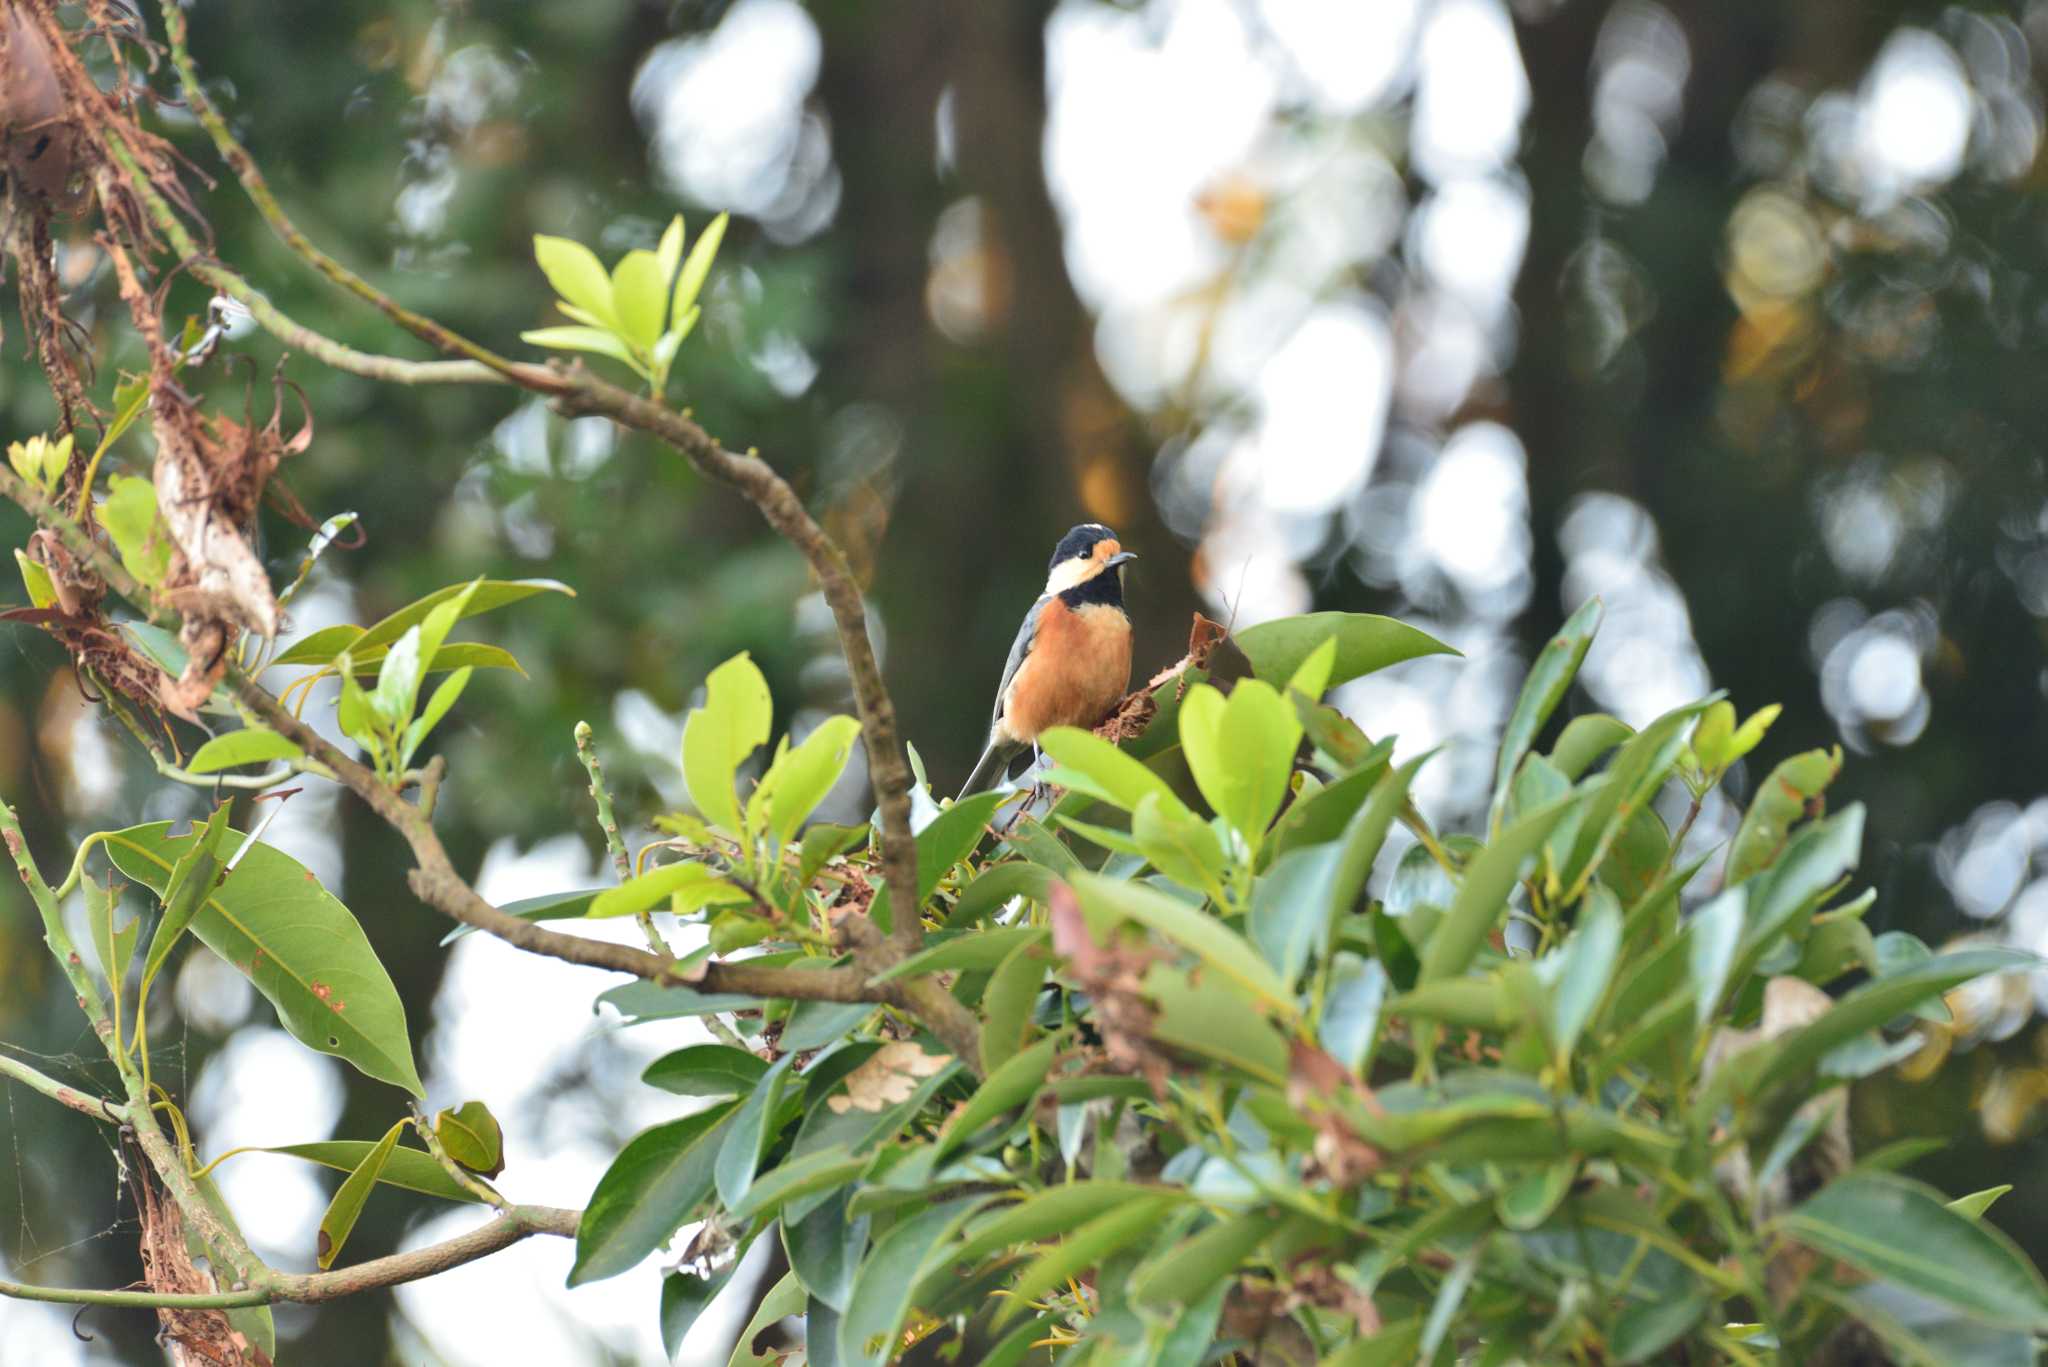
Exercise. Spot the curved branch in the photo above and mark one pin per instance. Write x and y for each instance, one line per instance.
(514, 1224)
(99, 1107)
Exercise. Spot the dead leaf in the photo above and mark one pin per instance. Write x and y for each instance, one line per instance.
(887, 1079)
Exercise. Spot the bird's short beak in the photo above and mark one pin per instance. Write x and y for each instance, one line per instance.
(1120, 557)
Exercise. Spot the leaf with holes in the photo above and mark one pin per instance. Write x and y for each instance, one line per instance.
(296, 942)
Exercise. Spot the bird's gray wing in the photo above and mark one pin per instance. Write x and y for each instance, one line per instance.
(1019, 648)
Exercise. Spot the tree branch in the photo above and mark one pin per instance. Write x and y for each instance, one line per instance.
(99, 1107)
(514, 1224)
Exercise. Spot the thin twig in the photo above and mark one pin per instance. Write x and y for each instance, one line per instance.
(601, 798)
(85, 1102)
(508, 1228)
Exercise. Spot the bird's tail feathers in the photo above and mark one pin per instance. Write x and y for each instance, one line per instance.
(992, 768)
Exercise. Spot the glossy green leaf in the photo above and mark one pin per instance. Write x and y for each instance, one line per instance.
(322, 647)
(995, 886)
(1352, 1010)
(651, 1001)
(1548, 680)
(684, 1299)
(1646, 1328)
(350, 1197)
(1482, 897)
(784, 1299)
(819, 1171)
(1896, 1229)
(469, 1134)
(1240, 751)
(1365, 643)
(1577, 975)
(1006, 1088)
(825, 1248)
(250, 745)
(1290, 918)
(699, 884)
(200, 867)
(697, 265)
(1199, 1016)
(1084, 1248)
(882, 1288)
(981, 949)
(115, 948)
(444, 698)
(706, 1070)
(1977, 1202)
(1188, 1271)
(1007, 1001)
(129, 513)
(576, 274)
(42, 592)
(747, 1138)
(802, 777)
(1711, 939)
(1189, 927)
(1781, 801)
(639, 291)
(301, 948)
(1178, 843)
(601, 341)
(1102, 770)
(732, 724)
(1584, 740)
(651, 1189)
(410, 1169)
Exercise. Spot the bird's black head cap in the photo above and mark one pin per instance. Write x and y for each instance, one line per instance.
(1079, 542)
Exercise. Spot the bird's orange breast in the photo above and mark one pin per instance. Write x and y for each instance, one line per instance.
(1078, 669)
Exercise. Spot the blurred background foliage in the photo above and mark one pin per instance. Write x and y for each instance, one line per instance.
(1461, 310)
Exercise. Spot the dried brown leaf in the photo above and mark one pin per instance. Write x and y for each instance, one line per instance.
(888, 1078)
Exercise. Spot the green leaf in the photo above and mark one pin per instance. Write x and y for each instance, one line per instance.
(882, 1288)
(115, 948)
(1351, 1010)
(1289, 918)
(668, 255)
(577, 275)
(952, 835)
(1393, 1346)
(824, 1249)
(1780, 801)
(553, 906)
(684, 1299)
(1085, 1247)
(732, 724)
(1240, 751)
(784, 1299)
(799, 780)
(599, 340)
(1577, 975)
(42, 592)
(349, 1198)
(697, 267)
(823, 842)
(1228, 956)
(697, 884)
(185, 889)
(437, 708)
(1647, 1328)
(1365, 643)
(814, 1024)
(478, 597)
(973, 951)
(130, 515)
(1178, 843)
(1870, 1006)
(1549, 679)
(410, 1169)
(1483, 891)
(1185, 1273)
(1900, 1231)
(1977, 1202)
(819, 1171)
(1007, 1001)
(650, 1191)
(1628, 786)
(469, 1134)
(995, 886)
(1711, 939)
(753, 1126)
(299, 945)
(1585, 739)
(249, 745)
(1101, 770)
(1008, 1086)
(640, 297)
(706, 1070)
(1311, 678)
(650, 1001)
(1221, 1025)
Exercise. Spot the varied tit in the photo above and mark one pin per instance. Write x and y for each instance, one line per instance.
(1071, 661)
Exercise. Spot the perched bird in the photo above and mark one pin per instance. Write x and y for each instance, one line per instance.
(1072, 658)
